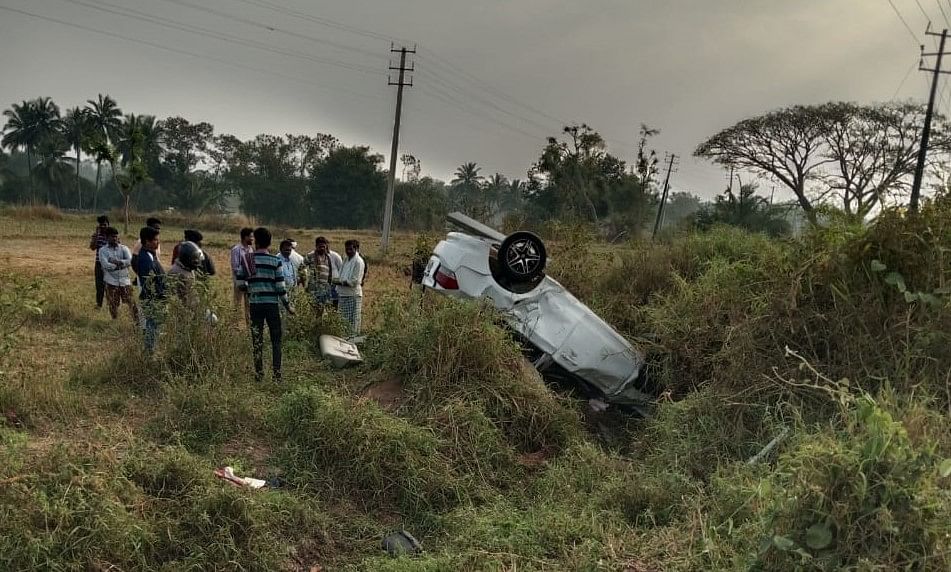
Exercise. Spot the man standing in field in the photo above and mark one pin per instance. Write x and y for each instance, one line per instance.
(295, 256)
(115, 260)
(290, 266)
(152, 285)
(97, 241)
(319, 271)
(240, 256)
(182, 274)
(266, 293)
(350, 287)
(150, 222)
(207, 267)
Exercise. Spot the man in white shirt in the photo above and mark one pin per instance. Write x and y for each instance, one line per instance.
(350, 287)
(116, 260)
(295, 256)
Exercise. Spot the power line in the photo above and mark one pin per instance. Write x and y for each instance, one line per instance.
(322, 21)
(485, 102)
(904, 79)
(448, 68)
(905, 23)
(487, 87)
(272, 28)
(923, 13)
(198, 30)
(943, 13)
(185, 52)
(434, 93)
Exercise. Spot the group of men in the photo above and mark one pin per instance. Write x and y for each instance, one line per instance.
(262, 281)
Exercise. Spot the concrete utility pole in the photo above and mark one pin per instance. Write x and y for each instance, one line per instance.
(926, 132)
(391, 184)
(663, 196)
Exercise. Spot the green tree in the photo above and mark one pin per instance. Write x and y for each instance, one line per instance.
(467, 193)
(348, 189)
(29, 124)
(646, 166)
(76, 131)
(745, 210)
(53, 170)
(105, 119)
(494, 191)
(133, 161)
(420, 204)
(19, 133)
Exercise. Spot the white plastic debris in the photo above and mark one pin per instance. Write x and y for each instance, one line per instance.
(339, 351)
(227, 474)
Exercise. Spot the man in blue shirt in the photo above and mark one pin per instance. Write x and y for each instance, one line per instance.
(152, 285)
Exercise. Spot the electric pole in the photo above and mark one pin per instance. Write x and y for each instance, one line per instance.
(663, 196)
(391, 184)
(926, 131)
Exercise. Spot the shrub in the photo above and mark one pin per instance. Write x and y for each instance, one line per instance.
(354, 446)
(456, 351)
(200, 415)
(859, 497)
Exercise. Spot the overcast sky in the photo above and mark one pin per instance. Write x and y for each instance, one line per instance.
(493, 78)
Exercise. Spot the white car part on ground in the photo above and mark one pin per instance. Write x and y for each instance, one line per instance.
(339, 351)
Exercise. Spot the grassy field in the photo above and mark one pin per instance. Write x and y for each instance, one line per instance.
(106, 456)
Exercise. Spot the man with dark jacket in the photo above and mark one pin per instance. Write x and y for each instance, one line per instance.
(152, 285)
(207, 267)
(97, 241)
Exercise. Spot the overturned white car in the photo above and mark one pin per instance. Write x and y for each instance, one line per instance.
(565, 339)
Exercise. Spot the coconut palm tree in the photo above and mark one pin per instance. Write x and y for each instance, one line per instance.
(467, 186)
(28, 124)
(148, 130)
(495, 189)
(53, 169)
(76, 130)
(105, 119)
(102, 152)
(20, 132)
(512, 200)
(105, 116)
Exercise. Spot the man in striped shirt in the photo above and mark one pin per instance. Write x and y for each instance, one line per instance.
(266, 292)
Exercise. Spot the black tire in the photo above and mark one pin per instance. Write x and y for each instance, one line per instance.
(522, 257)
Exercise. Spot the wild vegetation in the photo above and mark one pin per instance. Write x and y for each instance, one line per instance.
(835, 346)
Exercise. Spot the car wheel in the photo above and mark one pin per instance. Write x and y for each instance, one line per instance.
(522, 256)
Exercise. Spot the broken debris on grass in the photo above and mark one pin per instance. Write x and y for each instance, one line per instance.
(227, 474)
(401, 543)
(340, 352)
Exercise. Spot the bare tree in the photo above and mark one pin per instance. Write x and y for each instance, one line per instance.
(862, 154)
(785, 145)
(874, 151)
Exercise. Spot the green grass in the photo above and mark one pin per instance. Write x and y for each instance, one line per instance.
(106, 455)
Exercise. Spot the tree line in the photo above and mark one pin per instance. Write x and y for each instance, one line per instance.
(849, 157)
